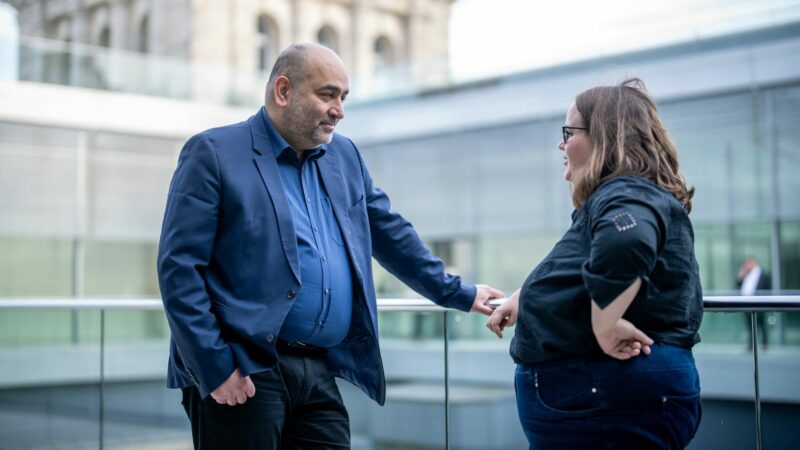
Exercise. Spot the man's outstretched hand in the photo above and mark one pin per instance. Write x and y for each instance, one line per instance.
(483, 295)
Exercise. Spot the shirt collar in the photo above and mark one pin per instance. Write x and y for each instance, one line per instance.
(279, 144)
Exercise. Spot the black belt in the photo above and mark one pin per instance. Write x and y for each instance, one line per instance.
(300, 349)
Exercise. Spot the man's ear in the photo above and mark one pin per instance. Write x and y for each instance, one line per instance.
(282, 91)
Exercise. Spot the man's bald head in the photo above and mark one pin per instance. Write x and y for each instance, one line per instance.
(305, 95)
(296, 63)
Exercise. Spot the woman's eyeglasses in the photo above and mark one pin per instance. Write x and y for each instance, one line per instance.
(566, 133)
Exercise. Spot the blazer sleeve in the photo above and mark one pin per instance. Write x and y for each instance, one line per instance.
(185, 249)
(399, 249)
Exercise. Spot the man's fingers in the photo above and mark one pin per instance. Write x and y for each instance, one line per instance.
(250, 390)
(496, 293)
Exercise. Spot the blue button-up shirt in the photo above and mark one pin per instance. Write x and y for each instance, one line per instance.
(321, 312)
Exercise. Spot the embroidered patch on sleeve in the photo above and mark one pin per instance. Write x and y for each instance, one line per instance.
(624, 221)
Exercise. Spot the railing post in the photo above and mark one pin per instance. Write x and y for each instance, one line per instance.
(102, 375)
(754, 339)
(446, 385)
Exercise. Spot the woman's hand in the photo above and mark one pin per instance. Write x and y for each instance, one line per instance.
(505, 315)
(623, 341)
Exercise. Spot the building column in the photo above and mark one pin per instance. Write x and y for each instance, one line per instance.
(361, 64)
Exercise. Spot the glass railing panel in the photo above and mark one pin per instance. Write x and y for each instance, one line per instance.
(480, 362)
(71, 64)
(412, 347)
(483, 409)
(49, 379)
(725, 363)
(138, 410)
(51, 396)
(778, 355)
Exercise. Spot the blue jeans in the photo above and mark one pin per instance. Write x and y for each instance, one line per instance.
(597, 402)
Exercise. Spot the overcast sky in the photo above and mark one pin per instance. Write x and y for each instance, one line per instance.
(489, 37)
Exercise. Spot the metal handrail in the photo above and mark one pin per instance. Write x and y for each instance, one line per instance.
(716, 303)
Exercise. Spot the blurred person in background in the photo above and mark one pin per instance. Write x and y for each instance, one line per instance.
(265, 269)
(606, 322)
(751, 280)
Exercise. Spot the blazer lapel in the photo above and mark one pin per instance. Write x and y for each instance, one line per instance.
(268, 169)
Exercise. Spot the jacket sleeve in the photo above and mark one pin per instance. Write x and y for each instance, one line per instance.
(626, 235)
(187, 240)
(399, 249)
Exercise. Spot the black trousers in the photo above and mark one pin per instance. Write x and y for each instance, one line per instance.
(297, 406)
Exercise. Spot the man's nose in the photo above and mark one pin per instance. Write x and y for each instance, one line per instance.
(337, 110)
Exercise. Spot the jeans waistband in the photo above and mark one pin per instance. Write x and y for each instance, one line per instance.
(662, 357)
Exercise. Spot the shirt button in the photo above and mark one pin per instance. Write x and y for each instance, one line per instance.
(327, 291)
(291, 294)
(270, 338)
(308, 199)
(316, 229)
(323, 258)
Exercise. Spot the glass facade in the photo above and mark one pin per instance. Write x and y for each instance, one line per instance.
(502, 188)
(86, 210)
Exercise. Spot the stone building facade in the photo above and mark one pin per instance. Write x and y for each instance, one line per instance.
(380, 41)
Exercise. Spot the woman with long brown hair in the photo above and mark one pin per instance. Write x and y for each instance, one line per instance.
(606, 322)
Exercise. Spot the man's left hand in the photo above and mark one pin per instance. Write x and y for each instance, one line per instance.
(484, 294)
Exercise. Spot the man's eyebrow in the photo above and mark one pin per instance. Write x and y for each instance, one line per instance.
(333, 87)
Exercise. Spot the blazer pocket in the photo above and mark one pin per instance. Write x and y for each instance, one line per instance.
(354, 206)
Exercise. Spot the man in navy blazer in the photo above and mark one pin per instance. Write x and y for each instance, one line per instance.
(264, 266)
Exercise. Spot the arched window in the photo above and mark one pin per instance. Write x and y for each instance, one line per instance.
(60, 30)
(104, 38)
(100, 27)
(384, 52)
(267, 42)
(327, 36)
(144, 35)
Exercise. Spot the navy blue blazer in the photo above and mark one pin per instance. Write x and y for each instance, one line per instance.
(228, 265)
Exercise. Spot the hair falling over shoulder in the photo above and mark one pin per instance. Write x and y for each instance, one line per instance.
(628, 138)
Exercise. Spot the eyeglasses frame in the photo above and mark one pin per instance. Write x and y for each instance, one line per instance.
(564, 130)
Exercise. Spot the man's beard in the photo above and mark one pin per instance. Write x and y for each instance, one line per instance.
(301, 128)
